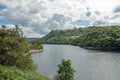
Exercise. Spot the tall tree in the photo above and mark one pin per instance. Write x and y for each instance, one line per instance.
(65, 71)
(12, 50)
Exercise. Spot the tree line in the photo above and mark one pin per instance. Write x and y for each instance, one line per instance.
(94, 37)
(62, 36)
(103, 38)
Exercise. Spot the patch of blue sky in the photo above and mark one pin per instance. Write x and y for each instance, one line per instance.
(5, 21)
(82, 22)
(2, 7)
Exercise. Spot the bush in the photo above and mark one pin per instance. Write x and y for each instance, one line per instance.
(65, 71)
(12, 49)
(12, 73)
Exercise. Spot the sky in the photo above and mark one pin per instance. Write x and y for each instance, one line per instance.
(39, 17)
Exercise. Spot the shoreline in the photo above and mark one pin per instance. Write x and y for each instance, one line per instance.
(33, 51)
(113, 49)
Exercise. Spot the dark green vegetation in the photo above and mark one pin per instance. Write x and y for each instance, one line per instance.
(102, 38)
(12, 49)
(12, 54)
(99, 37)
(62, 36)
(36, 45)
(12, 73)
(65, 71)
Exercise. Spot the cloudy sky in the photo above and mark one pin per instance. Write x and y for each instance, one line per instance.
(38, 17)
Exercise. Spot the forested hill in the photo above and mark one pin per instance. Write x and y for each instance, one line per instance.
(62, 36)
(100, 37)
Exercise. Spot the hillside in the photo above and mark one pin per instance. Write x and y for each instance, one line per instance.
(102, 38)
(12, 73)
(95, 37)
(62, 36)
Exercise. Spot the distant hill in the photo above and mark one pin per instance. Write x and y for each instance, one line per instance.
(31, 39)
(62, 36)
(95, 37)
(102, 38)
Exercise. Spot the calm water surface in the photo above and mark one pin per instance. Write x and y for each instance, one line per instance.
(89, 64)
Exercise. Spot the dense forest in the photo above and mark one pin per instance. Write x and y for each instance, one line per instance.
(62, 36)
(104, 38)
(95, 37)
(13, 48)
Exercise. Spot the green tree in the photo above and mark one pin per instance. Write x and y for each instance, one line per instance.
(36, 45)
(12, 50)
(62, 36)
(103, 38)
(65, 71)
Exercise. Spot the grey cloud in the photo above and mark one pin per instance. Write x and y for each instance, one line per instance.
(97, 12)
(32, 15)
(34, 10)
(100, 22)
(116, 16)
(18, 17)
(106, 17)
(117, 9)
(51, 0)
(88, 14)
(37, 7)
(57, 21)
(18, 14)
(45, 15)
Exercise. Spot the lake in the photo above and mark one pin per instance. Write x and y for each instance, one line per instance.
(89, 64)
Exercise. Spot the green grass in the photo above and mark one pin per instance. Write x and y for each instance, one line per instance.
(12, 73)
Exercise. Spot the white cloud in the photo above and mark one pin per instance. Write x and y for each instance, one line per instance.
(41, 16)
(29, 33)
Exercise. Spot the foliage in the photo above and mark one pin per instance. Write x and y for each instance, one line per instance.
(65, 71)
(18, 60)
(62, 36)
(36, 45)
(13, 73)
(12, 49)
(93, 37)
(104, 38)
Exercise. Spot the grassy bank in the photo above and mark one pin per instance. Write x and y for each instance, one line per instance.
(12, 73)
